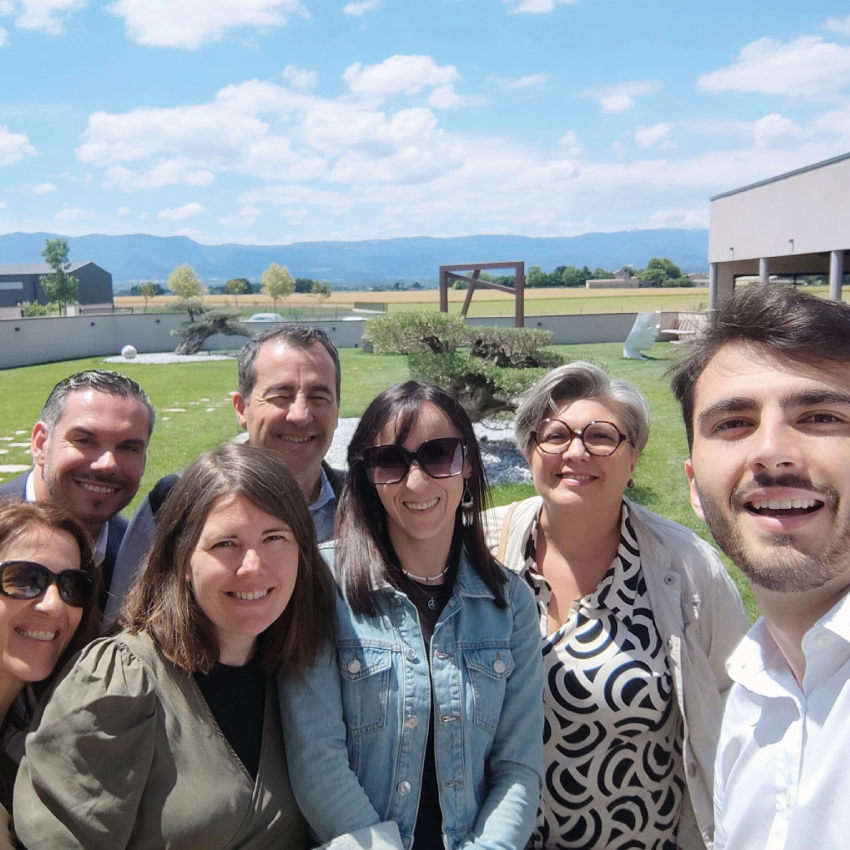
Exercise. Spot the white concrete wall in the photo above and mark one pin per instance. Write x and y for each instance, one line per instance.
(812, 209)
(24, 342)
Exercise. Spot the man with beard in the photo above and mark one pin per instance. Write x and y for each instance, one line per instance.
(88, 449)
(765, 395)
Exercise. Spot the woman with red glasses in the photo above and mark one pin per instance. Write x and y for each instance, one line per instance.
(637, 617)
(48, 611)
(424, 725)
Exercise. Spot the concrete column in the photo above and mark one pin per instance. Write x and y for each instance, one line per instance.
(764, 269)
(836, 274)
(724, 284)
(712, 286)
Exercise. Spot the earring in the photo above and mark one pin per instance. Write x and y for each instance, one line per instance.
(631, 484)
(467, 516)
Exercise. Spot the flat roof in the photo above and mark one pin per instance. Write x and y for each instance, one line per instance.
(783, 176)
(35, 268)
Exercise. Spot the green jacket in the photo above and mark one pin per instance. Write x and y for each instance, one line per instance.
(126, 754)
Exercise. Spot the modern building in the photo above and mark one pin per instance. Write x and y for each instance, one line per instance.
(21, 282)
(794, 224)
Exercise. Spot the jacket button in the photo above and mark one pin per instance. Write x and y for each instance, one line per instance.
(668, 579)
(499, 666)
(411, 721)
(403, 788)
(410, 653)
(354, 666)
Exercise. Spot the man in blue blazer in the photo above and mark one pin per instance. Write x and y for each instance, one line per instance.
(88, 449)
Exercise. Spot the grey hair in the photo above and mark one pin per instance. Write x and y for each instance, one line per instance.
(571, 382)
(100, 381)
(296, 336)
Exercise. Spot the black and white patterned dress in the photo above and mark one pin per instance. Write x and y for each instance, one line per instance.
(614, 773)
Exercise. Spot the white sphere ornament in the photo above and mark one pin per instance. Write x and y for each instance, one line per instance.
(128, 352)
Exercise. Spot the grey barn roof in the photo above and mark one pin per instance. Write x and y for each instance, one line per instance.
(35, 268)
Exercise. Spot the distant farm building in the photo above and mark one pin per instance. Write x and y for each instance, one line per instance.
(21, 282)
(793, 224)
(622, 280)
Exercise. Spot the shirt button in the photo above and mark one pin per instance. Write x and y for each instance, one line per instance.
(824, 640)
(411, 721)
(668, 579)
(403, 788)
(499, 666)
(692, 770)
(410, 653)
(354, 666)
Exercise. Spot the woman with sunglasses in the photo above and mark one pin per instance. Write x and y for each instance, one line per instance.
(428, 713)
(168, 734)
(47, 612)
(637, 618)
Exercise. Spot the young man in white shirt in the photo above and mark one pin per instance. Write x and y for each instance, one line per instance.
(765, 394)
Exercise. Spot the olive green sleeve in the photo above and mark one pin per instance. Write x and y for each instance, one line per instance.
(88, 754)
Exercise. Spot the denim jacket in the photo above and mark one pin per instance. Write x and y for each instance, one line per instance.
(356, 725)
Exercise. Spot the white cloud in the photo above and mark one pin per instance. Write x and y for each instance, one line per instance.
(244, 218)
(774, 129)
(571, 144)
(297, 196)
(75, 214)
(620, 97)
(47, 16)
(144, 215)
(162, 174)
(40, 189)
(361, 7)
(181, 213)
(4, 37)
(535, 7)
(656, 135)
(300, 78)
(123, 211)
(807, 67)
(191, 232)
(398, 75)
(14, 146)
(839, 25)
(445, 97)
(527, 81)
(2, 205)
(189, 23)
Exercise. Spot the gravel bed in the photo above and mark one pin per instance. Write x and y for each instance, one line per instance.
(166, 357)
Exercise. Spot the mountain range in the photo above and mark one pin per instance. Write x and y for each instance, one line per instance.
(139, 257)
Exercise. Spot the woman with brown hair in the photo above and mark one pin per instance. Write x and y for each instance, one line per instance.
(48, 611)
(168, 734)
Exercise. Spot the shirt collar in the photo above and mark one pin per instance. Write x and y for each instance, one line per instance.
(326, 493)
(100, 542)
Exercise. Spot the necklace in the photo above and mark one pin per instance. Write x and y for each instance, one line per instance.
(427, 579)
(426, 592)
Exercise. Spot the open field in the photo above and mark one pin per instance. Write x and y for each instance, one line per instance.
(195, 413)
(538, 302)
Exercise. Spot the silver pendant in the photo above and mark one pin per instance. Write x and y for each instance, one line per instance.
(432, 603)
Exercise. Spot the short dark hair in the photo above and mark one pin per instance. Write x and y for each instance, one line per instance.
(296, 336)
(161, 602)
(780, 317)
(101, 381)
(363, 546)
(18, 517)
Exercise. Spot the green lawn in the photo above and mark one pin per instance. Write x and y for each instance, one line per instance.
(203, 390)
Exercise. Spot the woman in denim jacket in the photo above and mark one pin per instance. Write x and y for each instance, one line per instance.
(427, 716)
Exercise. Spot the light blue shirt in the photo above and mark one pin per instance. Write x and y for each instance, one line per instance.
(356, 725)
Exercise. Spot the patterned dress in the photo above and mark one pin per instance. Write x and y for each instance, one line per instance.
(614, 775)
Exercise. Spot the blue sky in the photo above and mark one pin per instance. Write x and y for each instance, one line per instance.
(276, 121)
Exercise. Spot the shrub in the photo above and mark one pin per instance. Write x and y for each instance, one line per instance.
(416, 333)
(33, 308)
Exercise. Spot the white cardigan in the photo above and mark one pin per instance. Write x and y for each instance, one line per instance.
(701, 619)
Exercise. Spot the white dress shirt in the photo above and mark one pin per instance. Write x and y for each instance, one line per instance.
(782, 778)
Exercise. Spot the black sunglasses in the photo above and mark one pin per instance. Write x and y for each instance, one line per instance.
(28, 580)
(442, 458)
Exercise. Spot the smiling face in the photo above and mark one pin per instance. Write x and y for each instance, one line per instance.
(242, 572)
(420, 508)
(92, 461)
(293, 409)
(35, 632)
(770, 466)
(575, 480)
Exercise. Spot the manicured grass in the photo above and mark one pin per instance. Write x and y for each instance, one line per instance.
(203, 390)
